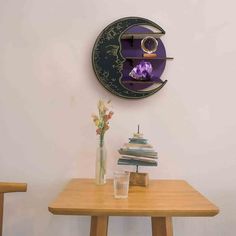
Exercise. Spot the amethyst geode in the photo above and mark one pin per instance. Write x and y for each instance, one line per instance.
(143, 71)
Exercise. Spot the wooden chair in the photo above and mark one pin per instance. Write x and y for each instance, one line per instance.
(7, 188)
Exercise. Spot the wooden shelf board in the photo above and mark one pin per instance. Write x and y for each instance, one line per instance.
(140, 35)
(149, 58)
(141, 82)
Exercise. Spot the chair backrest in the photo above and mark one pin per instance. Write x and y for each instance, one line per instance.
(8, 188)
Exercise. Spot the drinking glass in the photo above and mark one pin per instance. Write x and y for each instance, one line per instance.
(121, 184)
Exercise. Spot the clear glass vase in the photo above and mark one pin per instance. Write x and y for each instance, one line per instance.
(101, 161)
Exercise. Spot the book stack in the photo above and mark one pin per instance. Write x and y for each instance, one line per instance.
(137, 152)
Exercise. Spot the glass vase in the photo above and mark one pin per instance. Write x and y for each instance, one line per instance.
(101, 161)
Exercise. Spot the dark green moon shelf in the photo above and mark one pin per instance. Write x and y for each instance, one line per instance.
(117, 51)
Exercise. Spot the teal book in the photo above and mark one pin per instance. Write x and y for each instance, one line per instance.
(142, 153)
(135, 162)
(138, 140)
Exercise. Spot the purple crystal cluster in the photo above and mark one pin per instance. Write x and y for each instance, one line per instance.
(143, 71)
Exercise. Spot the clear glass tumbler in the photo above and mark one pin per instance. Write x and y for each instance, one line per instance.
(121, 184)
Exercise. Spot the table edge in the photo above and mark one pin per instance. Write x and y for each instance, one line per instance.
(100, 212)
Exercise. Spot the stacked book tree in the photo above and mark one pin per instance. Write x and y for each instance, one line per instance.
(137, 152)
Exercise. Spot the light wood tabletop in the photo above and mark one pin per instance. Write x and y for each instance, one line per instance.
(160, 200)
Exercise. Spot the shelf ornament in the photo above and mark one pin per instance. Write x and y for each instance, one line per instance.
(138, 152)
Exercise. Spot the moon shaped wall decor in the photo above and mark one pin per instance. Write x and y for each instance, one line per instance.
(129, 58)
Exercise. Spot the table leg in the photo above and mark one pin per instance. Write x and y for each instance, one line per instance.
(1, 212)
(162, 226)
(99, 225)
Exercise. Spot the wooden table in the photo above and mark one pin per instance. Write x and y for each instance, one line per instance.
(161, 200)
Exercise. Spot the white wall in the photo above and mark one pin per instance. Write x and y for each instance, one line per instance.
(48, 91)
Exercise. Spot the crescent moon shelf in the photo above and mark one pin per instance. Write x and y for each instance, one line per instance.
(129, 58)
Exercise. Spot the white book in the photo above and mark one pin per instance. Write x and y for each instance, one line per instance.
(138, 149)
